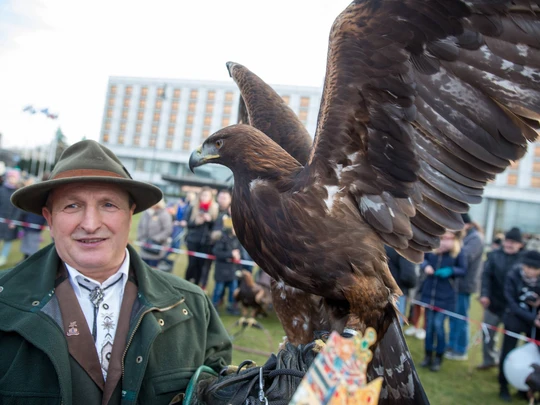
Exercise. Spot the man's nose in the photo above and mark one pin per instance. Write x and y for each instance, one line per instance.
(91, 220)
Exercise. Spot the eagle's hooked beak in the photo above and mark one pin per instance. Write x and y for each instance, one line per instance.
(202, 155)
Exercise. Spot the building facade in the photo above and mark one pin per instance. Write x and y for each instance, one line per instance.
(153, 125)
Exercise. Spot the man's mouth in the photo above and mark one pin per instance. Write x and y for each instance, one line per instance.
(90, 241)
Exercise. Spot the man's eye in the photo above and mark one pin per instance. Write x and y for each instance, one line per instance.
(109, 205)
(71, 206)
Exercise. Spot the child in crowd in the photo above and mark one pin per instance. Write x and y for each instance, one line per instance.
(440, 267)
(226, 249)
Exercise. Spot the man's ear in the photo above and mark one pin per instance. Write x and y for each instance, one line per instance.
(132, 209)
(48, 216)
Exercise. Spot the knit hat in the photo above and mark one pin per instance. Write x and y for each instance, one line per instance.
(531, 258)
(466, 218)
(514, 234)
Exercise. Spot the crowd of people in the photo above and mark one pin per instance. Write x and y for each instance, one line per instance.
(506, 278)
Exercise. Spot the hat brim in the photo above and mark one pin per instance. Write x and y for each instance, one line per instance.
(34, 197)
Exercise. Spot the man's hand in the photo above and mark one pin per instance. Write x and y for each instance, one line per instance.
(236, 254)
(484, 301)
(11, 226)
(207, 217)
(429, 270)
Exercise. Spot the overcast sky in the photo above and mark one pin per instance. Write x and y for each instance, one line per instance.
(59, 53)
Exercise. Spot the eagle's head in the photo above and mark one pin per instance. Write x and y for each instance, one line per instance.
(242, 148)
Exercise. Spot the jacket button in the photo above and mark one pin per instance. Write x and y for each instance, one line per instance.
(35, 303)
(138, 359)
(184, 311)
(161, 322)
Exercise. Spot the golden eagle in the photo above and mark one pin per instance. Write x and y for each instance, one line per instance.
(424, 102)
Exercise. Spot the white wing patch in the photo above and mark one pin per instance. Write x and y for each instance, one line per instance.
(256, 183)
(332, 191)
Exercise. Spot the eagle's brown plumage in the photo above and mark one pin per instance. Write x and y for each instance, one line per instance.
(423, 103)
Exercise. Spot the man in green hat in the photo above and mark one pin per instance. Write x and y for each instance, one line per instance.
(84, 320)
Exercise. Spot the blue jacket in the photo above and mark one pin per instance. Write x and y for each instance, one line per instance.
(438, 291)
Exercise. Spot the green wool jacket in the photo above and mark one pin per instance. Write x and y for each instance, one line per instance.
(173, 329)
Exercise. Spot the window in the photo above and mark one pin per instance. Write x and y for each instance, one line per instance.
(169, 143)
(536, 167)
(229, 96)
(227, 109)
(142, 103)
(207, 120)
(124, 114)
(187, 132)
(192, 105)
(512, 179)
(209, 108)
(186, 145)
(107, 125)
(126, 102)
(170, 131)
(172, 118)
(537, 151)
(286, 99)
(158, 104)
(111, 101)
(190, 119)
(156, 116)
(176, 93)
(123, 127)
(139, 165)
(129, 89)
(174, 105)
(161, 91)
(205, 133)
(109, 113)
(211, 95)
(154, 129)
(105, 137)
(113, 89)
(304, 102)
(120, 139)
(136, 140)
(225, 122)
(140, 115)
(144, 91)
(152, 141)
(514, 164)
(302, 115)
(193, 94)
(138, 128)
(535, 182)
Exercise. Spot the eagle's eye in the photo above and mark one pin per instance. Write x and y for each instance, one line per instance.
(219, 143)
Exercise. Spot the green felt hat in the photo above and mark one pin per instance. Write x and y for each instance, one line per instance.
(83, 162)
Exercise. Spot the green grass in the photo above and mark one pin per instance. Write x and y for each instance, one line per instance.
(456, 383)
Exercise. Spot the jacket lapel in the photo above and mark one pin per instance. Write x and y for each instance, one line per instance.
(80, 342)
(114, 372)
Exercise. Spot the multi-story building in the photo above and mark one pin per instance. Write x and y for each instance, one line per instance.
(154, 124)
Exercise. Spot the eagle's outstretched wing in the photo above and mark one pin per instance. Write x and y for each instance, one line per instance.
(261, 107)
(424, 102)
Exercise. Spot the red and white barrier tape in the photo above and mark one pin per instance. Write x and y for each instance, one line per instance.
(191, 253)
(23, 224)
(483, 325)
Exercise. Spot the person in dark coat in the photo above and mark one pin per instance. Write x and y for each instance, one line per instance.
(498, 264)
(8, 232)
(31, 235)
(200, 217)
(522, 293)
(226, 249)
(473, 247)
(404, 273)
(441, 267)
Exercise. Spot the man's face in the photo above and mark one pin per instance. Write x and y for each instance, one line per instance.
(12, 179)
(224, 200)
(90, 225)
(511, 247)
(531, 272)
